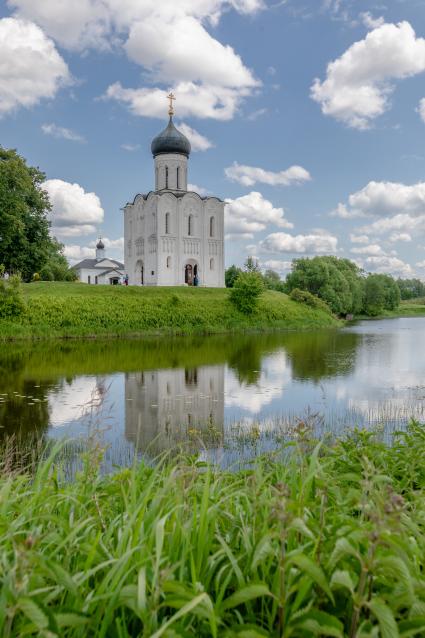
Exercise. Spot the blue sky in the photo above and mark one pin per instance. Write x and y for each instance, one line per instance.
(308, 117)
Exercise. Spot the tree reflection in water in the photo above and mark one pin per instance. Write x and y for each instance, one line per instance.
(173, 387)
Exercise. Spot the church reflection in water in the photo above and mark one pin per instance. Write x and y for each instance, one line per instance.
(167, 408)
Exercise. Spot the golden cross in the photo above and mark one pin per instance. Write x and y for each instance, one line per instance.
(171, 97)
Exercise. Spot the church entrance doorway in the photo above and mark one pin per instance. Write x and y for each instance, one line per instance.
(140, 273)
(191, 277)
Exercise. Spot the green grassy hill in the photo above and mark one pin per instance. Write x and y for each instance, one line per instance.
(78, 310)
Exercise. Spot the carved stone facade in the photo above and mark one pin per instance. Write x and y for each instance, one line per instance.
(174, 236)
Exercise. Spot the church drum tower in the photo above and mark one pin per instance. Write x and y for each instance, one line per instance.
(174, 236)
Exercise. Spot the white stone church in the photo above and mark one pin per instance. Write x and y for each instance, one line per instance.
(173, 236)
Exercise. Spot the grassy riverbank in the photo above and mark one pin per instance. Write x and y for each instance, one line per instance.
(410, 308)
(330, 542)
(78, 310)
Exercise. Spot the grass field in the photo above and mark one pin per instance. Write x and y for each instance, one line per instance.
(410, 308)
(318, 540)
(79, 310)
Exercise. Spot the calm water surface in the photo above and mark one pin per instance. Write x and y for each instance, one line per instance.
(232, 392)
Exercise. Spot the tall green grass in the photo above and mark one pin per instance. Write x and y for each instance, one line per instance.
(78, 310)
(320, 540)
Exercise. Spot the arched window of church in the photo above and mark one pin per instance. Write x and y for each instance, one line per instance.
(167, 223)
(211, 264)
(168, 262)
(178, 177)
(212, 229)
(156, 177)
(190, 225)
(166, 177)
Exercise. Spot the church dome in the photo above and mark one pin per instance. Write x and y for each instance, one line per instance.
(100, 245)
(170, 140)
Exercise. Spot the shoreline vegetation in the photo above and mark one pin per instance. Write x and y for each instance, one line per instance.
(316, 539)
(410, 308)
(76, 310)
(70, 310)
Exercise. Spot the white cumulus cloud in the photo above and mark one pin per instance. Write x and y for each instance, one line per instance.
(370, 22)
(402, 223)
(388, 265)
(194, 100)
(75, 253)
(61, 132)
(315, 243)
(74, 212)
(385, 199)
(172, 41)
(250, 214)
(31, 69)
(421, 109)
(100, 24)
(198, 189)
(371, 249)
(250, 175)
(179, 48)
(282, 267)
(114, 250)
(396, 237)
(359, 239)
(359, 83)
(197, 141)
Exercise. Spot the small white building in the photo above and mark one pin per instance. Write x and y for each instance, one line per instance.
(172, 236)
(100, 270)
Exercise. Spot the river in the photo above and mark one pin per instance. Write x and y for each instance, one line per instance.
(222, 397)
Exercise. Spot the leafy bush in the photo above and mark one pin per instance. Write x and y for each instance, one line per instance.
(381, 293)
(337, 281)
(11, 301)
(46, 274)
(411, 288)
(344, 286)
(230, 276)
(303, 296)
(246, 291)
(272, 281)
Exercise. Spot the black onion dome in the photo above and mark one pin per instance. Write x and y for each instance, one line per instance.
(170, 140)
(100, 245)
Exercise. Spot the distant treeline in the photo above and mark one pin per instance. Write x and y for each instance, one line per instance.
(340, 283)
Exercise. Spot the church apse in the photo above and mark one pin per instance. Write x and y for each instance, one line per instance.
(167, 408)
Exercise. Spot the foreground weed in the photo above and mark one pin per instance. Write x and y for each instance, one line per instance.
(326, 540)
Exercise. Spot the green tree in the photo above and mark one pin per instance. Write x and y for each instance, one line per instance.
(272, 280)
(374, 302)
(337, 281)
(381, 293)
(57, 267)
(231, 275)
(25, 242)
(12, 304)
(411, 288)
(246, 291)
(252, 265)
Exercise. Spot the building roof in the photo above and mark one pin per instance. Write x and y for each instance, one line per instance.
(170, 140)
(176, 194)
(106, 272)
(97, 263)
